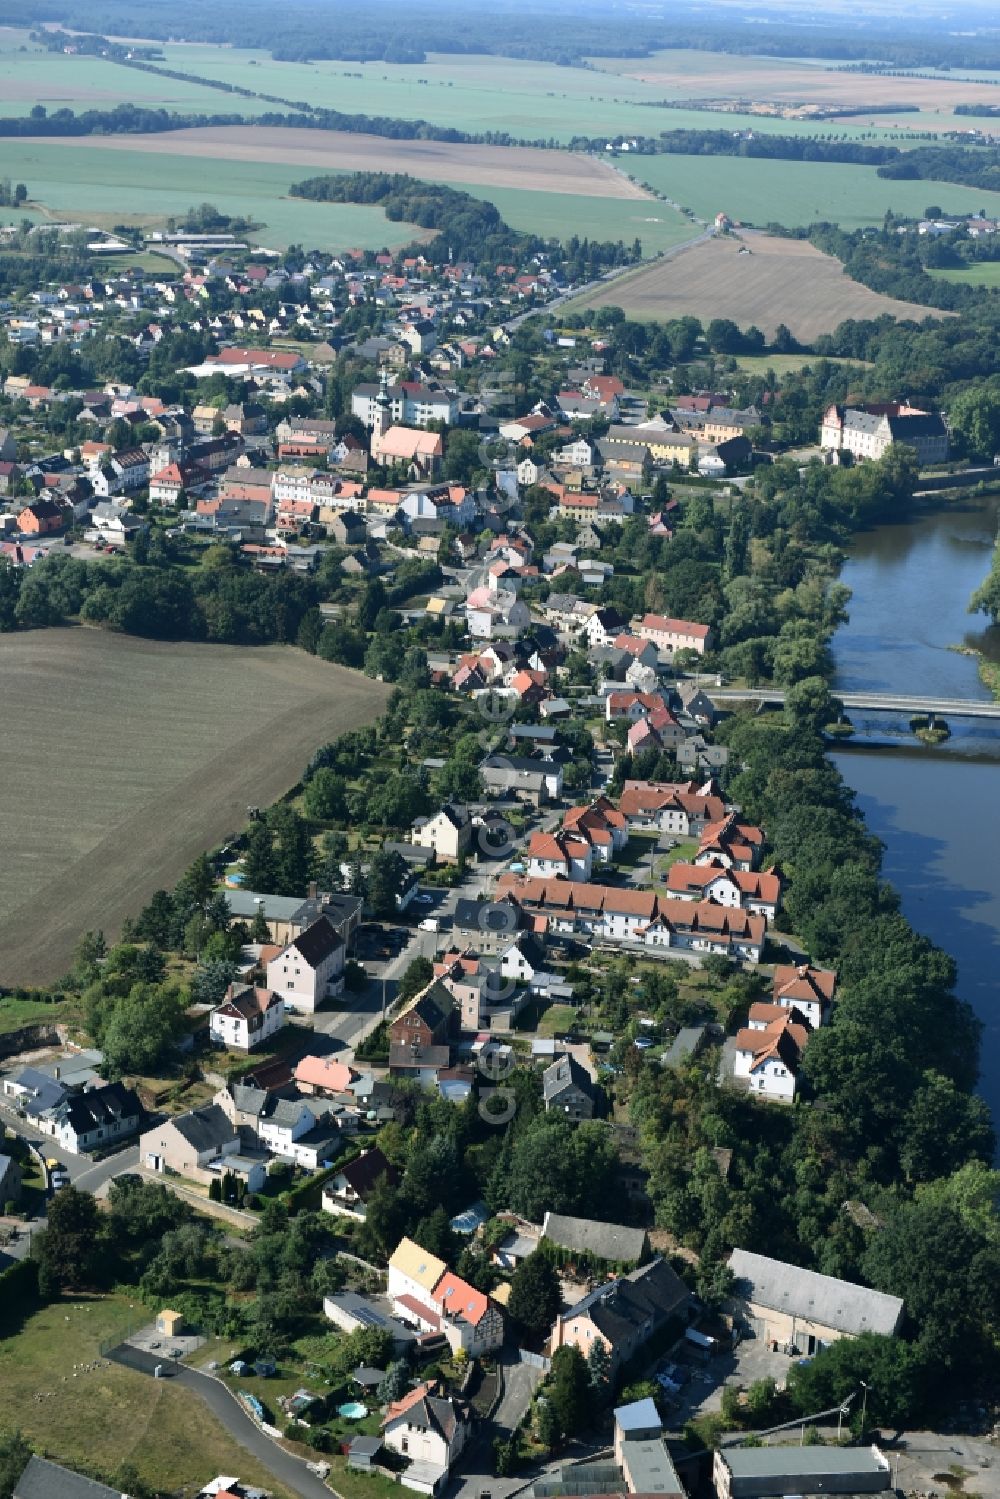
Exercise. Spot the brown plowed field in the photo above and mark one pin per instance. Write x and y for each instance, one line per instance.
(781, 281)
(124, 759)
(540, 170)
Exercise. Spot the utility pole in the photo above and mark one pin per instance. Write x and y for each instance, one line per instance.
(864, 1407)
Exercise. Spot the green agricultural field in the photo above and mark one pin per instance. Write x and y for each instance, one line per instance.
(985, 273)
(529, 100)
(561, 215)
(99, 185)
(79, 83)
(92, 185)
(799, 192)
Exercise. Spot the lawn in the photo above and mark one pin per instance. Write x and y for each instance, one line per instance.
(683, 853)
(15, 1013)
(794, 83)
(93, 186)
(787, 364)
(171, 742)
(799, 192)
(75, 1412)
(557, 1021)
(981, 273)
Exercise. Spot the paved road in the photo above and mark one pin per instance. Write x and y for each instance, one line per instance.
(288, 1470)
(347, 1027)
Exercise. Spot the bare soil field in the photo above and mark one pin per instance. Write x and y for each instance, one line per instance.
(781, 281)
(126, 758)
(712, 75)
(541, 170)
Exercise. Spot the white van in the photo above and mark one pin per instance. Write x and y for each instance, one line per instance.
(701, 1340)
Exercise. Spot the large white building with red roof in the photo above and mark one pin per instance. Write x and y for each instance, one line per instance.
(670, 635)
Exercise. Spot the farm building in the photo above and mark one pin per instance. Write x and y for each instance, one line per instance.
(801, 1311)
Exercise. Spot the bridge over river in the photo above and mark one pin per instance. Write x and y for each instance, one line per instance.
(874, 702)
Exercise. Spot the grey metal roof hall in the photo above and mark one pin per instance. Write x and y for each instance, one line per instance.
(838, 1304)
(772, 1462)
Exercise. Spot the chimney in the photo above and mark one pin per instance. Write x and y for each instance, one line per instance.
(313, 889)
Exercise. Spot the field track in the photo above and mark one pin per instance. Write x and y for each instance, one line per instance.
(781, 281)
(126, 758)
(541, 170)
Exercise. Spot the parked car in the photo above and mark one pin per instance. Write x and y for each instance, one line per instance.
(666, 1383)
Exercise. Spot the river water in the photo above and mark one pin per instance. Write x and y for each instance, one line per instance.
(937, 810)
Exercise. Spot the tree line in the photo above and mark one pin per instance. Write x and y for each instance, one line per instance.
(468, 227)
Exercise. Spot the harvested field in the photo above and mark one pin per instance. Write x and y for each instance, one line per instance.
(141, 754)
(781, 281)
(543, 171)
(791, 81)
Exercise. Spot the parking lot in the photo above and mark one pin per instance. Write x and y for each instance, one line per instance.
(150, 1340)
(701, 1395)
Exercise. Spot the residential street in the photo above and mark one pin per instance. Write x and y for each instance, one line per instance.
(88, 1175)
(289, 1471)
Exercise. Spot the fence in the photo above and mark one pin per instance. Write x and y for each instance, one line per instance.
(534, 1360)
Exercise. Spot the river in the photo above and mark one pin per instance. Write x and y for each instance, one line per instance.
(936, 810)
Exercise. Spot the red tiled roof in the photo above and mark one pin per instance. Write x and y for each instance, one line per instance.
(458, 1299)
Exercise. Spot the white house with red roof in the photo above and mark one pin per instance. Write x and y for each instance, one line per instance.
(429, 1430)
(734, 844)
(169, 485)
(749, 890)
(601, 825)
(247, 1017)
(768, 1051)
(423, 1290)
(559, 856)
(677, 807)
(807, 989)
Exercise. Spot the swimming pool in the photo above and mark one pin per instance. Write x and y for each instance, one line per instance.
(352, 1410)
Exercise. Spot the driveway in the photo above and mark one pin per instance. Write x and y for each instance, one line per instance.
(288, 1470)
(520, 1381)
